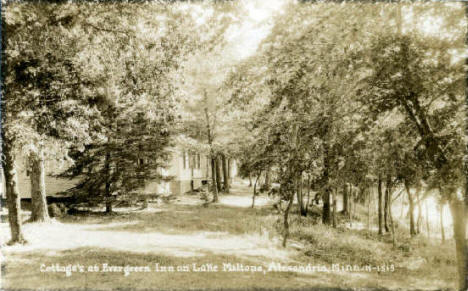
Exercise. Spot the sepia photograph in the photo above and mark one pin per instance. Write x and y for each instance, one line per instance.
(234, 145)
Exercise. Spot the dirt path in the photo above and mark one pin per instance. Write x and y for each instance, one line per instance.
(50, 238)
(60, 236)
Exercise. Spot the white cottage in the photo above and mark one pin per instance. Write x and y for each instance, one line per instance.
(188, 169)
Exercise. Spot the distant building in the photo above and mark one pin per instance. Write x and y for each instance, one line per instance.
(188, 170)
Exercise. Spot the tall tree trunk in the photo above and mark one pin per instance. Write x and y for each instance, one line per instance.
(351, 196)
(308, 194)
(369, 200)
(386, 204)
(345, 199)
(39, 212)
(379, 189)
(212, 156)
(225, 173)
(213, 179)
(219, 175)
(464, 273)
(12, 196)
(300, 198)
(326, 195)
(298, 194)
(255, 189)
(411, 209)
(326, 215)
(334, 208)
(390, 215)
(459, 232)
(193, 164)
(286, 217)
(229, 165)
(418, 202)
(108, 193)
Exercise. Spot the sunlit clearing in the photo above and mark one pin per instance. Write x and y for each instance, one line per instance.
(433, 211)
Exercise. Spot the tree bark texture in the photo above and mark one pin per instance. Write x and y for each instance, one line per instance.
(379, 189)
(12, 195)
(411, 209)
(225, 173)
(214, 179)
(457, 209)
(108, 194)
(219, 176)
(39, 212)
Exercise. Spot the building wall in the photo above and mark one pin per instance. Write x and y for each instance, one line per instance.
(185, 168)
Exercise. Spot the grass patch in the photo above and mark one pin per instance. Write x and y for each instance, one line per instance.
(19, 275)
(418, 261)
(183, 219)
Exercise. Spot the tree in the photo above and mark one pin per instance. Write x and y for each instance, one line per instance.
(33, 94)
(402, 67)
(136, 95)
(224, 161)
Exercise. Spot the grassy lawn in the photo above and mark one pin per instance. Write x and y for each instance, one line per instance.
(183, 235)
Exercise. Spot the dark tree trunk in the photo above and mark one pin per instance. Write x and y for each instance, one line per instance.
(345, 199)
(219, 182)
(317, 198)
(250, 180)
(286, 217)
(108, 194)
(255, 189)
(334, 208)
(459, 232)
(326, 219)
(192, 169)
(12, 196)
(326, 215)
(212, 156)
(229, 162)
(389, 190)
(379, 189)
(213, 179)
(39, 212)
(411, 209)
(308, 195)
(369, 201)
(300, 196)
(225, 173)
(386, 205)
